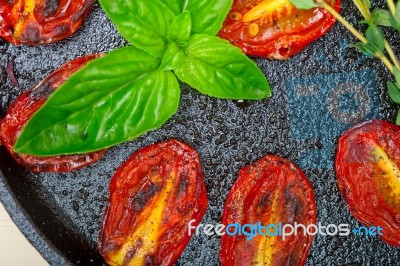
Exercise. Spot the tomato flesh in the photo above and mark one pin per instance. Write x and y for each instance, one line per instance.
(368, 175)
(270, 191)
(22, 110)
(41, 21)
(274, 28)
(153, 197)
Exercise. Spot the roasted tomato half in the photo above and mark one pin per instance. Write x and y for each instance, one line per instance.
(153, 197)
(274, 28)
(26, 105)
(368, 175)
(41, 21)
(269, 192)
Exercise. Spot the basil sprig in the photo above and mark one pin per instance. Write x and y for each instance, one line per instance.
(135, 89)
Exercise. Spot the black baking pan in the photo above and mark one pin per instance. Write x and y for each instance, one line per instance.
(60, 213)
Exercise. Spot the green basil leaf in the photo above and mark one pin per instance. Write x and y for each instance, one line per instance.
(215, 67)
(97, 108)
(398, 118)
(179, 31)
(394, 92)
(175, 6)
(381, 17)
(375, 38)
(174, 57)
(143, 23)
(207, 16)
(304, 4)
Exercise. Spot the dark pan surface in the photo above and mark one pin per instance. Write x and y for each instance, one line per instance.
(60, 213)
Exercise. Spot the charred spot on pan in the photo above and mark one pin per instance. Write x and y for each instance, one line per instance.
(243, 103)
(50, 7)
(144, 196)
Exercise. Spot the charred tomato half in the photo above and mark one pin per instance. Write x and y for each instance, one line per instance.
(26, 105)
(41, 21)
(368, 175)
(274, 28)
(270, 191)
(153, 197)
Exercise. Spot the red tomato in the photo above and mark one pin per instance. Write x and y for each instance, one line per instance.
(41, 21)
(153, 197)
(274, 28)
(368, 175)
(270, 191)
(25, 106)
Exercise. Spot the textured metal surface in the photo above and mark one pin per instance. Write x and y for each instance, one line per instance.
(61, 213)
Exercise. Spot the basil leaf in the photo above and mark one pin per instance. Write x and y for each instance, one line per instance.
(381, 17)
(207, 16)
(398, 118)
(179, 31)
(97, 108)
(175, 6)
(304, 4)
(215, 67)
(143, 23)
(394, 92)
(174, 57)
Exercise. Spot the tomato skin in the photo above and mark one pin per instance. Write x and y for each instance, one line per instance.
(159, 188)
(270, 191)
(368, 157)
(278, 34)
(41, 21)
(26, 105)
